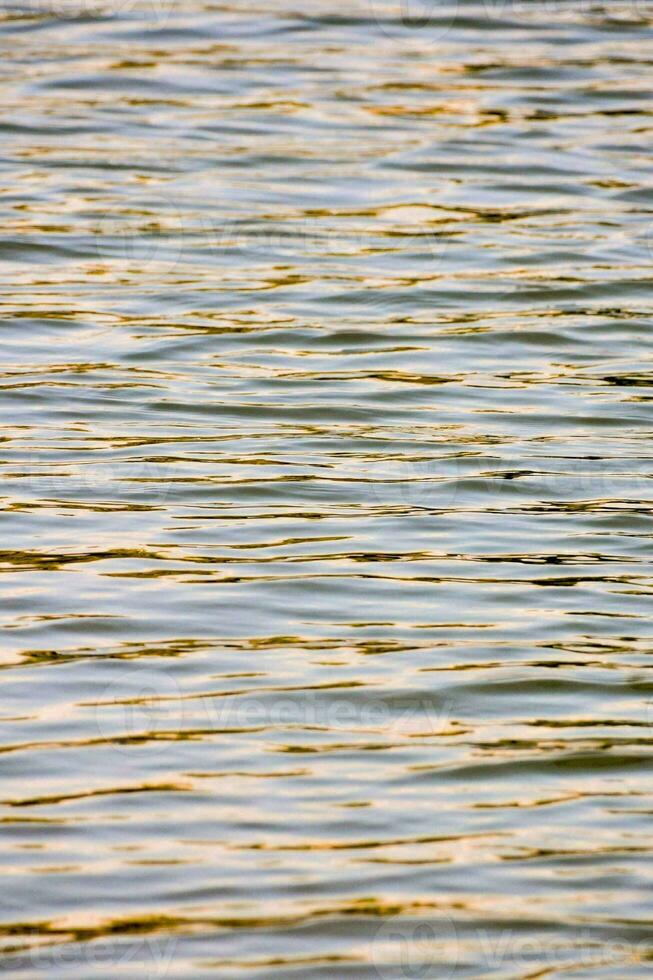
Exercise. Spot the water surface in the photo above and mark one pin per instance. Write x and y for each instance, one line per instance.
(326, 401)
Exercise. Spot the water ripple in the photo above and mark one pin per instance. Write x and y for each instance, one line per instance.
(326, 486)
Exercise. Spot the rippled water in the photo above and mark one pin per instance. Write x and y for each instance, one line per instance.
(326, 478)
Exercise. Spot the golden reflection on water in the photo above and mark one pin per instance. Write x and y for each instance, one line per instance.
(326, 489)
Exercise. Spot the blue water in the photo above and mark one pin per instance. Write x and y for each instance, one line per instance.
(326, 465)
